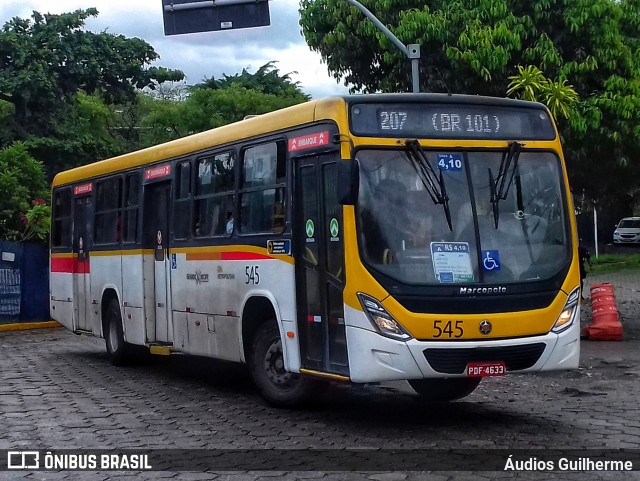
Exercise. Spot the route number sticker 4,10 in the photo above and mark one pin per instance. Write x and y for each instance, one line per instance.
(450, 162)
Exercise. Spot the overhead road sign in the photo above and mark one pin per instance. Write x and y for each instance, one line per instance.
(187, 16)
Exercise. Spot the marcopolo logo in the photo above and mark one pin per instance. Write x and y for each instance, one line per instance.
(483, 290)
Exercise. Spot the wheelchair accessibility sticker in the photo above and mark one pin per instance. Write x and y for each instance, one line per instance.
(491, 260)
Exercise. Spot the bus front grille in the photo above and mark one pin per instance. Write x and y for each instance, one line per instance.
(455, 360)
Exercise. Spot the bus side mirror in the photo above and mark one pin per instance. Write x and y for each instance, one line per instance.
(348, 182)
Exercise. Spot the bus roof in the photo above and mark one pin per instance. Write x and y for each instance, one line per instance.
(296, 115)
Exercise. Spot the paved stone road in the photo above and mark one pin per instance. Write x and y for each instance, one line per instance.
(57, 390)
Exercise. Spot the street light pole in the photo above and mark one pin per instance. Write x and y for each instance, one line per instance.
(411, 51)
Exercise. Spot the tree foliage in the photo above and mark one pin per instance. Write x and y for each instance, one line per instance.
(85, 129)
(217, 102)
(46, 60)
(476, 47)
(23, 213)
(267, 80)
(531, 84)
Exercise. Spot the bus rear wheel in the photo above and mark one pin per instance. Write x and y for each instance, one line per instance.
(277, 386)
(117, 348)
(444, 389)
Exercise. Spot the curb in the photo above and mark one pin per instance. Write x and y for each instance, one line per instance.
(21, 326)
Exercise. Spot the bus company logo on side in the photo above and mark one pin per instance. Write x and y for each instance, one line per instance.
(223, 275)
(198, 276)
(482, 290)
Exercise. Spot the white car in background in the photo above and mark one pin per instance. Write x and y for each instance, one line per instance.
(627, 231)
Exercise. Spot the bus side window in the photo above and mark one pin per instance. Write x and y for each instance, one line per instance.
(214, 195)
(61, 225)
(129, 226)
(107, 213)
(182, 204)
(262, 189)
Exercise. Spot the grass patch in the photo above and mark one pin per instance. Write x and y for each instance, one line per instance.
(614, 262)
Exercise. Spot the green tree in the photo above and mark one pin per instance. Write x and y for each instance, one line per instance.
(163, 119)
(216, 102)
(206, 108)
(531, 84)
(46, 60)
(84, 130)
(267, 80)
(23, 212)
(475, 46)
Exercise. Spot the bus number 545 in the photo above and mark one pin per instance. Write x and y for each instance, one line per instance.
(251, 273)
(447, 329)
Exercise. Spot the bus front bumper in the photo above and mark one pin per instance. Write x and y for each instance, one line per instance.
(376, 358)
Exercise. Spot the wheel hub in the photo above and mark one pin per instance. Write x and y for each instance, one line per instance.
(274, 365)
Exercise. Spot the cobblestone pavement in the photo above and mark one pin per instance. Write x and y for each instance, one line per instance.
(58, 391)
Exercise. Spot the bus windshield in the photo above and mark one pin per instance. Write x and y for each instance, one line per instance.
(517, 233)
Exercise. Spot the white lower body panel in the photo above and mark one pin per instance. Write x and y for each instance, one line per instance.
(374, 358)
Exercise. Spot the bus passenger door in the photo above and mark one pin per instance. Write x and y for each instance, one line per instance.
(318, 236)
(81, 271)
(156, 236)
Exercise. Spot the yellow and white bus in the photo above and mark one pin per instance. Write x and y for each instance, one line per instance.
(418, 237)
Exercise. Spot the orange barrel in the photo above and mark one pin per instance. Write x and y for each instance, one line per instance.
(603, 301)
(604, 314)
(601, 290)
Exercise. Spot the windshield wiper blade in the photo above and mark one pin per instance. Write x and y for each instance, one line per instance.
(501, 192)
(433, 184)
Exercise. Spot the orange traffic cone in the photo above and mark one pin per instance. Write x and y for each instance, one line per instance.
(606, 322)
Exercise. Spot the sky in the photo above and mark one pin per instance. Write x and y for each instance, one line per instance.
(201, 55)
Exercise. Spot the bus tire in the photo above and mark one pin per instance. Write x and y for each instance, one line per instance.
(444, 389)
(117, 348)
(277, 386)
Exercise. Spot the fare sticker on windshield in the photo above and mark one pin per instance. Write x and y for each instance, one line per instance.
(450, 162)
(452, 262)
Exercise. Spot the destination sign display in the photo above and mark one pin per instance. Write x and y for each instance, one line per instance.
(451, 121)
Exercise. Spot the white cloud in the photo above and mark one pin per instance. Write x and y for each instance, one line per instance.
(207, 54)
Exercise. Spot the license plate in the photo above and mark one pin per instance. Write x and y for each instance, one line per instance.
(482, 369)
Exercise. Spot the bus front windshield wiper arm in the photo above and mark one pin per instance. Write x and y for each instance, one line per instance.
(433, 184)
(499, 186)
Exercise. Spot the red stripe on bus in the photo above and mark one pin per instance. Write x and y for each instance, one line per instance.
(69, 265)
(242, 256)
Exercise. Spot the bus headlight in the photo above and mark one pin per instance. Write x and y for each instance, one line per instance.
(568, 314)
(381, 319)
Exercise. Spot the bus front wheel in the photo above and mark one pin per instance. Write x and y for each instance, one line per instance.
(444, 389)
(117, 348)
(277, 386)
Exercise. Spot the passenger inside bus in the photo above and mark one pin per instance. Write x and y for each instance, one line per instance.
(229, 227)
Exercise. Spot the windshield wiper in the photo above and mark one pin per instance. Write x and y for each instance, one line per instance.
(501, 192)
(433, 184)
